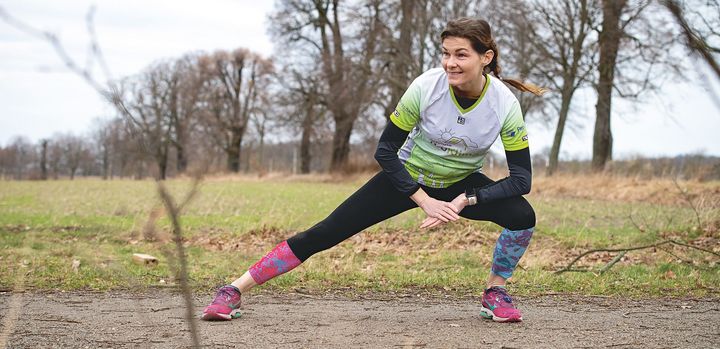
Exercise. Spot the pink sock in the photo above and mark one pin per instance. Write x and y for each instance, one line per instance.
(278, 261)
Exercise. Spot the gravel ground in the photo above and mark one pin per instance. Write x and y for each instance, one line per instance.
(156, 320)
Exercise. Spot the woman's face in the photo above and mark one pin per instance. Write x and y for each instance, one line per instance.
(462, 64)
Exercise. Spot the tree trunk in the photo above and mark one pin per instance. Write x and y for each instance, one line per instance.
(609, 42)
(233, 151)
(105, 162)
(341, 142)
(43, 160)
(305, 146)
(557, 140)
(163, 162)
(182, 161)
(399, 68)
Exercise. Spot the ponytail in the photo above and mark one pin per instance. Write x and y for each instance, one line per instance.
(494, 67)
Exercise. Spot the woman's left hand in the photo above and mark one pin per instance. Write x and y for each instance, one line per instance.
(430, 222)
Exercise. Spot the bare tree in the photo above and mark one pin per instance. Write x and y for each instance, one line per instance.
(146, 100)
(563, 35)
(635, 57)
(306, 112)
(344, 36)
(75, 152)
(19, 157)
(185, 82)
(234, 80)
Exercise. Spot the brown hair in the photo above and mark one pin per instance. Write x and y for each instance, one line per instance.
(480, 36)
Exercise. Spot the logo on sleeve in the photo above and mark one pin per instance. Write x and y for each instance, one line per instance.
(512, 133)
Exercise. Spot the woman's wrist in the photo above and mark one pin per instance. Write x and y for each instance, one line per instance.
(420, 196)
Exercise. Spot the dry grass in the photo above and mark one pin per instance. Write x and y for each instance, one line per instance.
(628, 189)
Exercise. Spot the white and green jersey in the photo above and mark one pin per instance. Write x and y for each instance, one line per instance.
(447, 142)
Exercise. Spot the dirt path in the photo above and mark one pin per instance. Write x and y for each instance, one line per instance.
(155, 320)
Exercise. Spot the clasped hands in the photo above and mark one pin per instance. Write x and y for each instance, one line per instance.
(439, 211)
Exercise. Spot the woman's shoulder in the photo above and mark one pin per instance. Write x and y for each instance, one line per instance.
(432, 82)
(500, 88)
(500, 92)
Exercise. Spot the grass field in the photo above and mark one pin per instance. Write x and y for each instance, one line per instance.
(81, 235)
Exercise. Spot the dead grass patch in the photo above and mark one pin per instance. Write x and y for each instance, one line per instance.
(705, 195)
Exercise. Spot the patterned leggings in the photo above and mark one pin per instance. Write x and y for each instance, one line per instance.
(378, 200)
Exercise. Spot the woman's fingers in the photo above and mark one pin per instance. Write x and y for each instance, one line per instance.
(426, 223)
(430, 222)
(442, 210)
(435, 224)
(449, 212)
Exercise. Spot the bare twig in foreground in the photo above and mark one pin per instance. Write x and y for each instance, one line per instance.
(110, 92)
(181, 274)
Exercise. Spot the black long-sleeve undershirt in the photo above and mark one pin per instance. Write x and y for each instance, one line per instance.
(517, 183)
(387, 156)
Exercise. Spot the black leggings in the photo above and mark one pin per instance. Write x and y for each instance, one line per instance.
(378, 200)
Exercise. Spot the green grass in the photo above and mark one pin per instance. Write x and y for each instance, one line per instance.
(45, 226)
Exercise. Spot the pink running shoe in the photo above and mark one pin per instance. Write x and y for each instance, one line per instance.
(225, 305)
(497, 305)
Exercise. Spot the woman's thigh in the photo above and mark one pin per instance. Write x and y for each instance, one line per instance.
(374, 202)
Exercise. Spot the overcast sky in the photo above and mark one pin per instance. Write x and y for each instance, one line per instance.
(39, 98)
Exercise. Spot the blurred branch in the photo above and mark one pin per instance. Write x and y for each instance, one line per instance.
(181, 274)
(112, 93)
(694, 41)
(54, 41)
(95, 48)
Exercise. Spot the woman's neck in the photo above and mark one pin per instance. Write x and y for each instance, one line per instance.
(473, 89)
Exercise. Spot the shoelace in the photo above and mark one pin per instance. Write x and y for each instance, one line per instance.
(227, 294)
(503, 294)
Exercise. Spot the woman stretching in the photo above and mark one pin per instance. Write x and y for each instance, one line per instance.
(431, 154)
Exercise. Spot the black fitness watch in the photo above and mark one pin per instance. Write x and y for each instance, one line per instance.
(471, 196)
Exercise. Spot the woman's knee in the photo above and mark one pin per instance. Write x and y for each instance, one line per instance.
(525, 218)
(318, 238)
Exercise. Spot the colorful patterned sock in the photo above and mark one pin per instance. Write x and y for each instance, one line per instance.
(509, 248)
(278, 261)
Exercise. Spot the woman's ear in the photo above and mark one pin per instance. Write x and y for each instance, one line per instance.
(488, 56)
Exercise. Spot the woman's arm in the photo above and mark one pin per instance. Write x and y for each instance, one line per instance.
(518, 183)
(386, 155)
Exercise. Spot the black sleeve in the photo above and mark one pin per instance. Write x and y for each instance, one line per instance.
(386, 155)
(518, 183)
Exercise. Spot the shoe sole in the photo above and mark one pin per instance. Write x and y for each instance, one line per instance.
(212, 316)
(488, 314)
